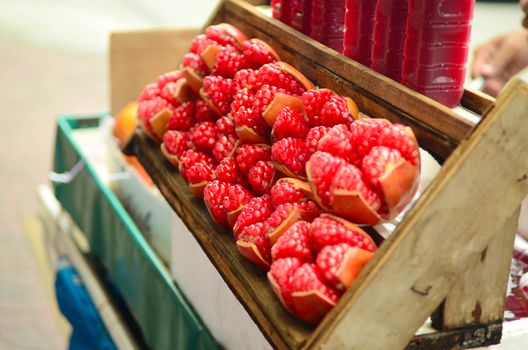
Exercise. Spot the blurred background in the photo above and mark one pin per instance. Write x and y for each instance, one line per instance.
(53, 60)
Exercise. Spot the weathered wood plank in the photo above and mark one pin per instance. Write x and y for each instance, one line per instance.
(478, 296)
(448, 228)
(476, 101)
(248, 283)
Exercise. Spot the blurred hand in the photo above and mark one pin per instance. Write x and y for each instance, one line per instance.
(500, 59)
(524, 6)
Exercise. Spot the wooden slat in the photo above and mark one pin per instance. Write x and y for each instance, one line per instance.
(248, 283)
(478, 188)
(476, 101)
(478, 296)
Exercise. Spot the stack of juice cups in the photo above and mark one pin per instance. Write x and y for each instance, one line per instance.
(328, 20)
(436, 48)
(359, 26)
(389, 37)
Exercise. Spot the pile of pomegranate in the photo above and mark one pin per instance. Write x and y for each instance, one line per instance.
(290, 168)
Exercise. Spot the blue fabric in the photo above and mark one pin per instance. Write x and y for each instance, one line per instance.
(88, 330)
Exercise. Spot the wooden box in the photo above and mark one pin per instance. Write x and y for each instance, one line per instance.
(448, 259)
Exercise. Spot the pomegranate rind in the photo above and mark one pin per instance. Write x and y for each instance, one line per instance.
(295, 215)
(194, 80)
(280, 101)
(297, 184)
(184, 92)
(172, 158)
(284, 169)
(239, 36)
(352, 206)
(232, 216)
(207, 100)
(159, 123)
(353, 262)
(301, 78)
(250, 251)
(209, 54)
(399, 185)
(278, 292)
(248, 135)
(311, 306)
(198, 189)
(353, 109)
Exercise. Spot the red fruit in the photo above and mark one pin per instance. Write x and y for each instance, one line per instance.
(314, 135)
(264, 96)
(365, 134)
(290, 156)
(195, 62)
(235, 201)
(183, 117)
(295, 242)
(224, 147)
(200, 43)
(203, 112)
(225, 34)
(214, 194)
(280, 277)
(401, 138)
(248, 155)
(257, 210)
(257, 53)
(225, 201)
(287, 214)
(228, 61)
(348, 182)
(261, 176)
(321, 170)
(203, 136)
(287, 190)
(243, 78)
(198, 176)
(227, 171)
(274, 74)
(328, 230)
(254, 245)
(169, 77)
(324, 107)
(340, 264)
(379, 160)
(149, 92)
(174, 144)
(153, 116)
(217, 92)
(191, 157)
(243, 99)
(289, 123)
(338, 143)
(312, 297)
(225, 126)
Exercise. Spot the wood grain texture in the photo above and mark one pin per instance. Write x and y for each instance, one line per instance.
(478, 296)
(476, 101)
(248, 283)
(447, 229)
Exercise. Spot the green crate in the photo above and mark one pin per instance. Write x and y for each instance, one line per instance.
(166, 319)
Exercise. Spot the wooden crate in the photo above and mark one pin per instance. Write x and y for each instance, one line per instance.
(448, 258)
